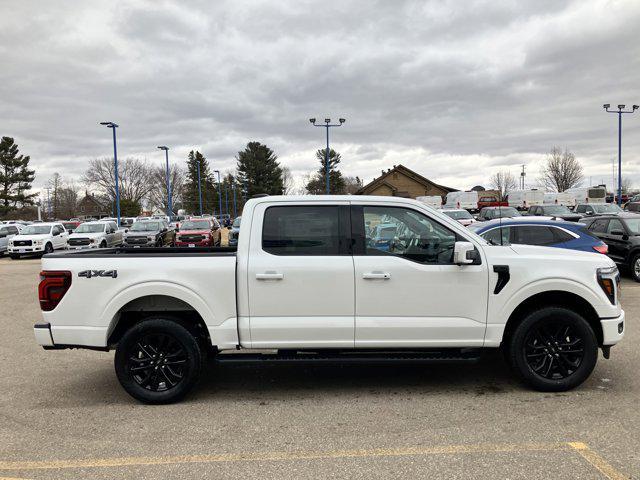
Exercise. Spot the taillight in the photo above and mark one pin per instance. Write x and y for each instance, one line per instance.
(53, 285)
(604, 248)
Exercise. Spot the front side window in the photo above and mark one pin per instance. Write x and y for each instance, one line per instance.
(405, 233)
(615, 225)
(302, 230)
(599, 226)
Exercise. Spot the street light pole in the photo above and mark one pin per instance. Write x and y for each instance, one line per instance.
(169, 206)
(113, 127)
(199, 187)
(619, 112)
(327, 125)
(226, 199)
(219, 192)
(233, 187)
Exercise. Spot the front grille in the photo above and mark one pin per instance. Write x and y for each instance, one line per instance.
(22, 243)
(191, 238)
(137, 240)
(77, 242)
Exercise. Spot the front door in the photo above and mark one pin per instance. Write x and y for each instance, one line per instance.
(300, 277)
(408, 291)
(617, 239)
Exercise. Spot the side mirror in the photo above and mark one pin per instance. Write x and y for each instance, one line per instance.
(464, 253)
(617, 232)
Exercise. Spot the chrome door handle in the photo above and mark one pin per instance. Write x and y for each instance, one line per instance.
(376, 276)
(269, 276)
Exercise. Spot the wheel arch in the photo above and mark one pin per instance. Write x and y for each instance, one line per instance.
(558, 298)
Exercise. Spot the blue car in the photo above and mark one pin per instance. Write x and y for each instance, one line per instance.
(541, 232)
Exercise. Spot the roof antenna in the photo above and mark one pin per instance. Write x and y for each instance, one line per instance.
(500, 217)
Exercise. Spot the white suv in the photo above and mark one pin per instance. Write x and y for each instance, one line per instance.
(38, 238)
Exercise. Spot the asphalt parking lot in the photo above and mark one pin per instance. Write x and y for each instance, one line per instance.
(64, 415)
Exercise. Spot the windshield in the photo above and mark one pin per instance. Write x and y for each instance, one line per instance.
(503, 212)
(195, 225)
(556, 210)
(89, 228)
(145, 227)
(36, 230)
(607, 208)
(458, 214)
(236, 222)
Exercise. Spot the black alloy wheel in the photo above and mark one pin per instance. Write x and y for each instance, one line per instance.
(158, 361)
(48, 248)
(635, 267)
(553, 349)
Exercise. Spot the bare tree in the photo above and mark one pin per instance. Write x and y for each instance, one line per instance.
(134, 175)
(627, 185)
(68, 200)
(561, 171)
(53, 195)
(503, 181)
(352, 185)
(158, 194)
(288, 183)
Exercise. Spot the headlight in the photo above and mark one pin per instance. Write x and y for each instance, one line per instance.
(37, 242)
(608, 277)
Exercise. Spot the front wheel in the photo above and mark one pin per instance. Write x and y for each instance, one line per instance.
(14, 256)
(48, 248)
(635, 267)
(158, 361)
(554, 349)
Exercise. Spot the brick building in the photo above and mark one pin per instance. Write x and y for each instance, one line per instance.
(401, 181)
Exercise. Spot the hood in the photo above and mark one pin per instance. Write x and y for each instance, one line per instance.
(31, 237)
(562, 254)
(194, 232)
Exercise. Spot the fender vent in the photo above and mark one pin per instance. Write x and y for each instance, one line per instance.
(503, 277)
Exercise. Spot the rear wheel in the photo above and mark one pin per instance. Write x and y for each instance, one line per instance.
(635, 267)
(554, 349)
(158, 361)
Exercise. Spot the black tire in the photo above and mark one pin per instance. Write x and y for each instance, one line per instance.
(553, 349)
(103, 244)
(164, 352)
(14, 256)
(634, 267)
(48, 248)
(159, 243)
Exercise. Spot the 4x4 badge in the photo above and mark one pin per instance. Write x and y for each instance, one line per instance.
(98, 273)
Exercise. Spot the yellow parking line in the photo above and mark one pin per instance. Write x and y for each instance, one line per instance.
(597, 461)
(280, 456)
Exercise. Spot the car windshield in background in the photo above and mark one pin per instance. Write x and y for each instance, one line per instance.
(607, 208)
(36, 230)
(86, 228)
(633, 224)
(236, 222)
(458, 214)
(192, 225)
(146, 226)
(556, 210)
(504, 212)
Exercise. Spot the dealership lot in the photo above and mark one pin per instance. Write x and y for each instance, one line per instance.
(65, 416)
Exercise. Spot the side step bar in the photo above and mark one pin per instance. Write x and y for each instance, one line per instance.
(342, 358)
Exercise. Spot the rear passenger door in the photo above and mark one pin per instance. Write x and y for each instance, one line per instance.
(300, 276)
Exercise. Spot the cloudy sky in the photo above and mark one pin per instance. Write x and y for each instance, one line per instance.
(453, 89)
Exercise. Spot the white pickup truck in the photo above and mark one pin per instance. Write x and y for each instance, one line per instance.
(311, 282)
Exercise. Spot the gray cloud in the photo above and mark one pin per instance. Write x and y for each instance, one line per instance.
(453, 89)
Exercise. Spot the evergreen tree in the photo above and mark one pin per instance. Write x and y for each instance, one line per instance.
(15, 177)
(259, 170)
(317, 185)
(191, 202)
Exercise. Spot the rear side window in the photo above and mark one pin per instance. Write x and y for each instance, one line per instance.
(562, 236)
(533, 235)
(599, 226)
(302, 230)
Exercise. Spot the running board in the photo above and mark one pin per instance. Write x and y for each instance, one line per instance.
(341, 358)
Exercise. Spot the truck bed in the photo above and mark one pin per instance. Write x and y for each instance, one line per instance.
(148, 252)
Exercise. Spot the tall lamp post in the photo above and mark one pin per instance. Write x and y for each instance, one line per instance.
(619, 112)
(233, 187)
(219, 192)
(169, 206)
(199, 187)
(113, 127)
(327, 125)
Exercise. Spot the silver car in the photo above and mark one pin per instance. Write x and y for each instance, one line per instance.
(7, 232)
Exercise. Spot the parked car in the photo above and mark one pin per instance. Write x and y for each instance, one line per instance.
(633, 205)
(149, 233)
(199, 233)
(540, 232)
(39, 238)
(557, 211)
(465, 200)
(522, 199)
(491, 200)
(126, 222)
(598, 209)
(622, 234)
(489, 213)
(460, 215)
(98, 234)
(234, 233)
(306, 286)
(70, 226)
(7, 232)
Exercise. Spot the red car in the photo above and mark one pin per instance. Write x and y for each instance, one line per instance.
(198, 232)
